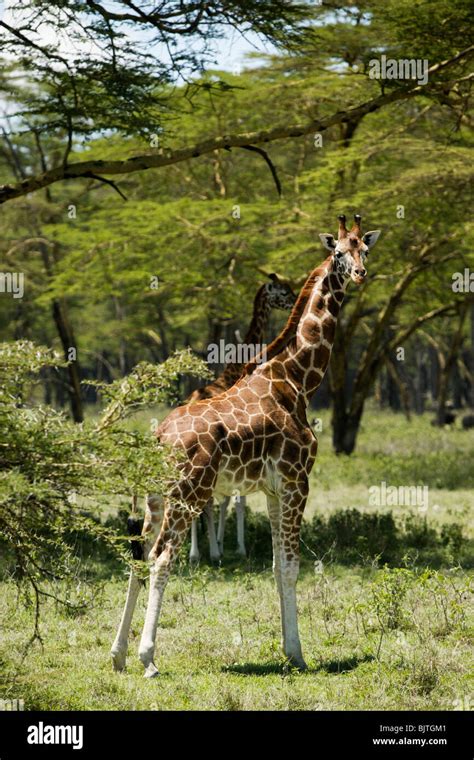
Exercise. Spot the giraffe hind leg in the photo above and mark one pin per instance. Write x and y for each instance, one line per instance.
(194, 554)
(240, 504)
(214, 551)
(222, 518)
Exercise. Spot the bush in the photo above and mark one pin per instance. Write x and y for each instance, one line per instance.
(50, 465)
(351, 537)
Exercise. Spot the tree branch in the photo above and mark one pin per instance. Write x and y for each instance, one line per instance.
(239, 140)
(403, 335)
(268, 161)
(108, 182)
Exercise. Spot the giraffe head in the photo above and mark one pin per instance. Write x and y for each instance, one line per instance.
(279, 294)
(351, 248)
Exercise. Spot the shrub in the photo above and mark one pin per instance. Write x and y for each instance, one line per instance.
(49, 465)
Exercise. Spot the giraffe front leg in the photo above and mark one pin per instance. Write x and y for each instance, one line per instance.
(146, 651)
(151, 527)
(287, 511)
(291, 638)
(164, 553)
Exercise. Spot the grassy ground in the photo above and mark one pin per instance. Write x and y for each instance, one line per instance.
(219, 649)
(373, 638)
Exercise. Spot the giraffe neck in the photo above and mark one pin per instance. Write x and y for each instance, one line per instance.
(302, 363)
(261, 311)
(253, 336)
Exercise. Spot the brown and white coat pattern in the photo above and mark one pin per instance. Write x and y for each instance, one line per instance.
(255, 436)
(275, 294)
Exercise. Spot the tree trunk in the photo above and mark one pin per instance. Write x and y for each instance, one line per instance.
(165, 352)
(120, 314)
(448, 364)
(457, 387)
(447, 367)
(66, 336)
(68, 341)
(45, 375)
(399, 389)
(420, 383)
(347, 435)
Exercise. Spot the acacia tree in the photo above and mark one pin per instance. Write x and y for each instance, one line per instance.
(342, 102)
(123, 82)
(126, 86)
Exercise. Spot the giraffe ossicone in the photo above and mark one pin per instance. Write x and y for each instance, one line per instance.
(254, 436)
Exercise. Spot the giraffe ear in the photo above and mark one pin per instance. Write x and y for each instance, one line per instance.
(370, 238)
(328, 241)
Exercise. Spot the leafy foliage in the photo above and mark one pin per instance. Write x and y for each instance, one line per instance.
(52, 471)
(74, 89)
(353, 537)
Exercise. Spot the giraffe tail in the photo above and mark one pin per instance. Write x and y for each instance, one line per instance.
(134, 528)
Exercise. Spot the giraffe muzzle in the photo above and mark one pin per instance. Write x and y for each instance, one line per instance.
(358, 276)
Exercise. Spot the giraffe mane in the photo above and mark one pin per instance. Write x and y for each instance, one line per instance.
(289, 331)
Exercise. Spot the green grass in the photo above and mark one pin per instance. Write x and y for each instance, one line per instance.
(373, 639)
(218, 649)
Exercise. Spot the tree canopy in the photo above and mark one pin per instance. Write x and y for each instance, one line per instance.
(89, 69)
(178, 262)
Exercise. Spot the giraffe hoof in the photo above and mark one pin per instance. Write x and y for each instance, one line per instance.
(118, 661)
(151, 671)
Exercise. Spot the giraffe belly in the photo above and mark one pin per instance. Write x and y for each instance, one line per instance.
(245, 480)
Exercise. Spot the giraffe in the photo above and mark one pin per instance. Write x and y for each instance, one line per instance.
(254, 436)
(275, 294)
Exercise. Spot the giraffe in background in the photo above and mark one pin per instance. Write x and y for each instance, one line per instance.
(254, 436)
(275, 294)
